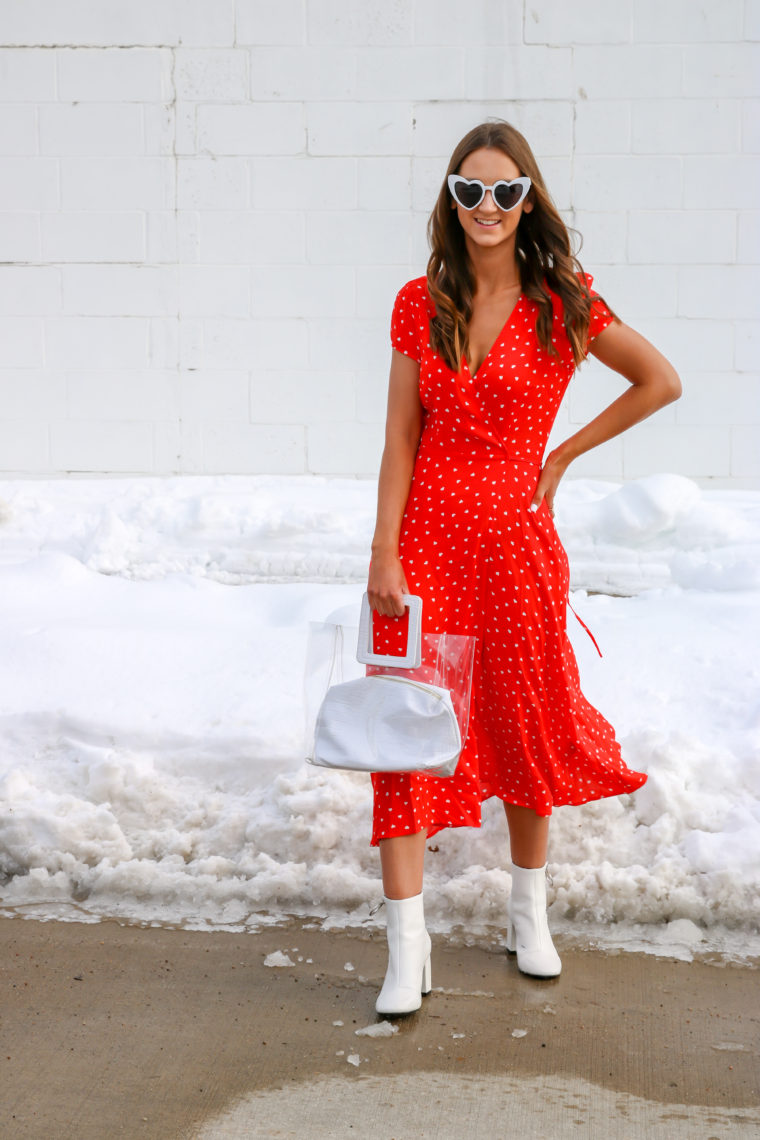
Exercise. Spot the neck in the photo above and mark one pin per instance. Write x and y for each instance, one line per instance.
(495, 270)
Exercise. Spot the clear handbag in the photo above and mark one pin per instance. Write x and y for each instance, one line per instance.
(406, 712)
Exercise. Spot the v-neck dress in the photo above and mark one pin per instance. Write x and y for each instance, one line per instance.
(485, 565)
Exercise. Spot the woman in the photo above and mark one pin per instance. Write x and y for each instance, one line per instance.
(483, 350)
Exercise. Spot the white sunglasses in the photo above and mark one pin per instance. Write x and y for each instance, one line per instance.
(470, 192)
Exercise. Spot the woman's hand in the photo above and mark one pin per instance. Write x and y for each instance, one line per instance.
(548, 481)
(386, 583)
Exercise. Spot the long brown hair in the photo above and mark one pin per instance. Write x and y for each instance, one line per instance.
(542, 245)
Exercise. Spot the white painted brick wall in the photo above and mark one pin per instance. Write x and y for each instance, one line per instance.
(207, 208)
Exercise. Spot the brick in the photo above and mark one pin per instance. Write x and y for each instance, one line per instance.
(24, 394)
(720, 398)
(258, 128)
(355, 22)
(93, 236)
(371, 396)
(750, 126)
(747, 351)
(163, 342)
(222, 343)
(232, 237)
(602, 462)
(254, 449)
(384, 184)
(136, 183)
(351, 237)
(585, 22)
(24, 448)
(139, 23)
(683, 449)
(557, 174)
(27, 75)
(313, 72)
(167, 448)
(211, 76)
(18, 130)
(731, 69)
(161, 237)
(748, 241)
(445, 22)
(548, 126)
(302, 291)
(668, 236)
(519, 73)
(683, 21)
(119, 290)
(159, 128)
(691, 126)
(752, 20)
(603, 126)
(304, 183)
(347, 343)
(345, 448)
(123, 75)
(745, 454)
(28, 184)
(186, 128)
(616, 71)
(406, 73)
(604, 236)
(211, 397)
(212, 183)
(103, 446)
(91, 128)
(700, 346)
(214, 291)
(637, 292)
(301, 397)
(420, 246)
(591, 390)
(628, 182)
(733, 181)
(261, 22)
(122, 396)
(29, 290)
(427, 180)
(727, 292)
(20, 236)
(376, 289)
(358, 128)
(21, 342)
(96, 342)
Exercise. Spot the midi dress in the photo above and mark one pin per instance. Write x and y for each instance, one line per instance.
(486, 565)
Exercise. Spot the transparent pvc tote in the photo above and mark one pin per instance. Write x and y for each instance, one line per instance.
(387, 696)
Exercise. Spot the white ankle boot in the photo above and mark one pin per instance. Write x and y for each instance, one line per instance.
(528, 933)
(408, 976)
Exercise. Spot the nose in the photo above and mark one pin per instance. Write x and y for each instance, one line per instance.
(488, 200)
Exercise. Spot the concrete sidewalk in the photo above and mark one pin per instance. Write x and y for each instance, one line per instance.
(111, 1031)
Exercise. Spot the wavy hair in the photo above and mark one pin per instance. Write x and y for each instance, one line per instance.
(543, 248)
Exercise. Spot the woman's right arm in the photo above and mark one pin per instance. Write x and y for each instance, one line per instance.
(386, 582)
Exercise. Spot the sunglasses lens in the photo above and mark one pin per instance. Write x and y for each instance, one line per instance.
(508, 196)
(467, 195)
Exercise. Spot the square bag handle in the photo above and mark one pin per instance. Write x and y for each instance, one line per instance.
(413, 655)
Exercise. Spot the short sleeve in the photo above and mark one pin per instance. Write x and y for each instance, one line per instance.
(600, 315)
(405, 324)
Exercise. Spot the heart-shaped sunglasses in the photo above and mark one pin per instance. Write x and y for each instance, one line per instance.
(470, 192)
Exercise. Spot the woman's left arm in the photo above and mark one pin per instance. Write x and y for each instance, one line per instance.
(654, 383)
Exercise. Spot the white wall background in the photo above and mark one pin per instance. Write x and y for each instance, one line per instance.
(207, 207)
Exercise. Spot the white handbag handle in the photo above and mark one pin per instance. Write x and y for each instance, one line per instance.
(413, 656)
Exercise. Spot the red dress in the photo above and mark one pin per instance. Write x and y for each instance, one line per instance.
(484, 564)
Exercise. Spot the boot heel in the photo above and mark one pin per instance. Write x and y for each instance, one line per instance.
(427, 977)
(511, 939)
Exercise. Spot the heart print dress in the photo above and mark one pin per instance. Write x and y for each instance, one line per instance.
(485, 565)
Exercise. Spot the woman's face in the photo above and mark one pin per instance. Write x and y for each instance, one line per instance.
(487, 225)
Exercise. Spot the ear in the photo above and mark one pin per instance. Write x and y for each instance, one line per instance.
(527, 205)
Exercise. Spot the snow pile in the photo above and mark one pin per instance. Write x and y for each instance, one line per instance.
(152, 743)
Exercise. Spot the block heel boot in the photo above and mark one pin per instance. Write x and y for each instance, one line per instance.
(528, 930)
(408, 976)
